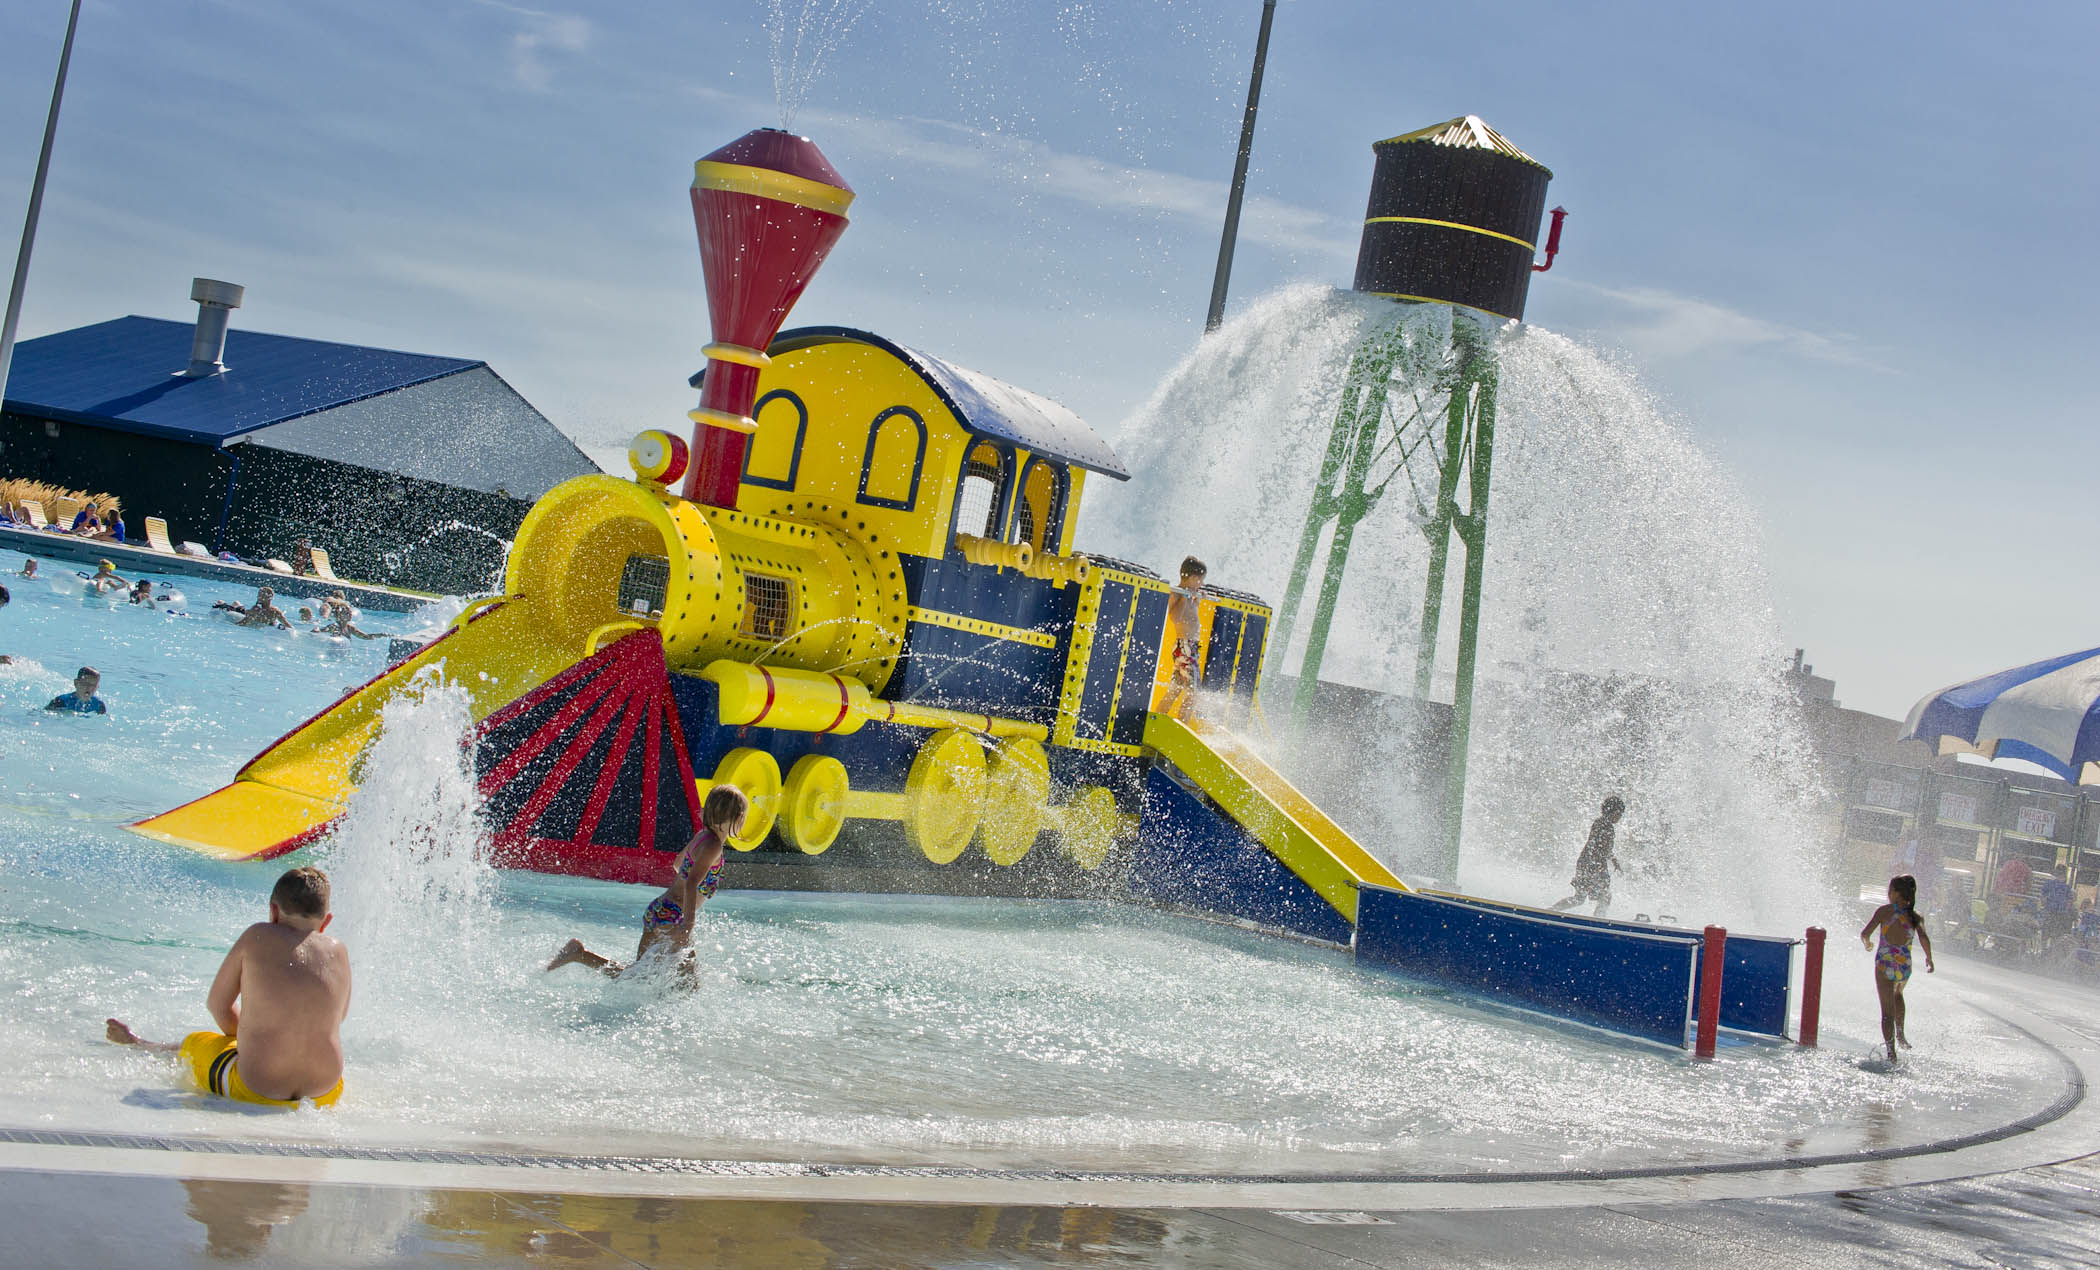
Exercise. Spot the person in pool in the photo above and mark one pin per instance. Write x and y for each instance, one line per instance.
(279, 1000)
(335, 618)
(5, 660)
(28, 568)
(668, 921)
(1899, 921)
(106, 579)
(82, 700)
(264, 612)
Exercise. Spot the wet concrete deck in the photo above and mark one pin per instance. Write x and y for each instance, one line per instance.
(2025, 1195)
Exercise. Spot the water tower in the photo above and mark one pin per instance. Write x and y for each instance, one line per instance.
(1454, 220)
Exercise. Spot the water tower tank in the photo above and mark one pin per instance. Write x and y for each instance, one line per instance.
(1454, 218)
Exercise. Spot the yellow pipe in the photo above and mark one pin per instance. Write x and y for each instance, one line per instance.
(811, 701)
(863, 804)
(915, 716)
(1003, 555)
(596, 637)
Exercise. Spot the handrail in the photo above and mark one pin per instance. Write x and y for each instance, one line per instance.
(597, 636)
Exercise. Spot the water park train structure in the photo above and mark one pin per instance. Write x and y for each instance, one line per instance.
(856, 596)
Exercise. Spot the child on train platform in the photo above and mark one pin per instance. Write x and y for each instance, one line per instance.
(668, 921)
(279, 1000)
(1185, 629)
(1899, 922)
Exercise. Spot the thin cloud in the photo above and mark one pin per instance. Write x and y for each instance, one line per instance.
(538, 34)
(1664, 324)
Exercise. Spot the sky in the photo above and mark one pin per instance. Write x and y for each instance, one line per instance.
(1844, 245)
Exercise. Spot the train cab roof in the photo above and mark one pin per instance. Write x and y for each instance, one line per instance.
(982, 404)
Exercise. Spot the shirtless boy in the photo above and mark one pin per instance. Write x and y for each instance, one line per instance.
(264, 612)
(335, 618)
(281, 995)
(1184, 628)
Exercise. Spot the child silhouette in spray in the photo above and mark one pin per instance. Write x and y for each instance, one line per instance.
(1593, 867)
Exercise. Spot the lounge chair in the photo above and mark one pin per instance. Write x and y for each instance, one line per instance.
(277, 566)
(157, 536)
(68, 510)
(36, 513)
(322, 569)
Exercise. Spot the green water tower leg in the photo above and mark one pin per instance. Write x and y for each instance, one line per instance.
(1479, 383)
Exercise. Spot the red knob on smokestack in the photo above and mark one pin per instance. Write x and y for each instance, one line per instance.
(768, 206)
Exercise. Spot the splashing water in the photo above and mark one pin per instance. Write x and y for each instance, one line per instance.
(1627, 641)
(802, 36)
(408, 864)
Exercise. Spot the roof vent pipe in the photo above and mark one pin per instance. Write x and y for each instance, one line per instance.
(216, 302)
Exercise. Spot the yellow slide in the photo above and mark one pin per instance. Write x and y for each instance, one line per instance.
(289, 792)
(1269, 807)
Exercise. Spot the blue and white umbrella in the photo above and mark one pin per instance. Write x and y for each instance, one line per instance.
(2047, 713)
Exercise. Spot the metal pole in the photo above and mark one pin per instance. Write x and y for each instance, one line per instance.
(1239, 172)
(1481, 371)
(36, 205)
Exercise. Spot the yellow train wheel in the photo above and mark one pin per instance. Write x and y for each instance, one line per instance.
(944, 795)
(754, 772)
(1088, 825)
(813, 803)
(1017, 788)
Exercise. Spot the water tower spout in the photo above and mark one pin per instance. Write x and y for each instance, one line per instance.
(768, 207)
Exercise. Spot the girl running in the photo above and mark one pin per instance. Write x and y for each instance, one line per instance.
(1898, 920)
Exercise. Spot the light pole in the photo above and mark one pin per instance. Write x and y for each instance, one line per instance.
(36, 205)
(1239, 174)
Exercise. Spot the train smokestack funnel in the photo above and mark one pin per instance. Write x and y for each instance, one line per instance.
(768, 207)
(1453, 218)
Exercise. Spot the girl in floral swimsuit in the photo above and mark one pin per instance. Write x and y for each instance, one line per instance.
(669, 917)
(1898, 920)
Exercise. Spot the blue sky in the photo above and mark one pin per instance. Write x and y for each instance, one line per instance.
(1847, 245)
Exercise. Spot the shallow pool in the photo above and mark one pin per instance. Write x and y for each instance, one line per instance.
(827, 1027)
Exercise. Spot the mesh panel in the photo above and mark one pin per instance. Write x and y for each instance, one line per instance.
(643, 581)
(769, 607)
(979, 498)
(1024, 521)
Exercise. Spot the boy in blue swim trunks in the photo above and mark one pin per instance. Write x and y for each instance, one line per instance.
(280, 997)
(697, 870)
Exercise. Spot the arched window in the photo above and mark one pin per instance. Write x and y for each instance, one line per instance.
(980, 505)
(1039, 512)
(889, 466)
(775, 452)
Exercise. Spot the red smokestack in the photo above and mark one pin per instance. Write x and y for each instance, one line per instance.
(768, 206)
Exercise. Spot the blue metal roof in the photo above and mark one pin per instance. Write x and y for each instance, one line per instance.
(122, 374)
(985, 405)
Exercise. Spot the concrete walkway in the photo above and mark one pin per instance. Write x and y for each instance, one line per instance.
(2026, 1195)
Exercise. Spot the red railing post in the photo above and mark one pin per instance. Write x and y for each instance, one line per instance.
(1812, 986)
(1710, 991)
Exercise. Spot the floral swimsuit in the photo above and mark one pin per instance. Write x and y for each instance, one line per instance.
(664, 910)
(1892, 959)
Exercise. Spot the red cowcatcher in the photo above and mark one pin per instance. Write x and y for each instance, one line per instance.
(768, 206)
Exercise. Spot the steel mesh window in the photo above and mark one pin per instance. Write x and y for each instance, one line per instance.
(979, 499)
(1024, 518)
(643, 582)
(769, 606)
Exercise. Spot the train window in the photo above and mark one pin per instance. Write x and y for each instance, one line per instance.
(890, 465)
(643, 582)
(775, 453)
(982, 498)
(769, 606)
(1036, 513)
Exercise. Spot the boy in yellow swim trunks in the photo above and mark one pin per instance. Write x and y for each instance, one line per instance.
(280, 995)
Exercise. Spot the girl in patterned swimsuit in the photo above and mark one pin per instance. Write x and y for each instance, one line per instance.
(669, 918)
(1898, 920)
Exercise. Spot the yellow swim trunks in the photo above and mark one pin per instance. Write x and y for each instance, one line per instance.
(211, 1060)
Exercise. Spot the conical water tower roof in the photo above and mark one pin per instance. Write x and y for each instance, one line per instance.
(1467, 132)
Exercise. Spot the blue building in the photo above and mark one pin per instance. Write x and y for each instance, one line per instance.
(407, 467)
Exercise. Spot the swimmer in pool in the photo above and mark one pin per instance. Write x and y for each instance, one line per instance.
(106, 579)
(668, 920)
(264, 612)
(335, 618)
(28, 568)
(279, 1000)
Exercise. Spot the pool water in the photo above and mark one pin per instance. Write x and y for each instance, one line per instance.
(827, 1027)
